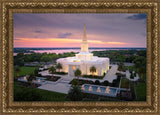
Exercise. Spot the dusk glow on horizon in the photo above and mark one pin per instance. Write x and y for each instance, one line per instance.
(66, 30)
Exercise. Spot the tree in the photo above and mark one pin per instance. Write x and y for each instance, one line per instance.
(59, 66)
(77, 73)
(36, 71)
(46, 58)
(120, 67)
(20, 55)
(31, 78)
(137, 65)
(135, 74)
(97, 82)
(75, 82)
(19, 59)
(131, 75)
(142, 72)
(92, 70)
(75, 94)
(120, 58)
(52, 70)
(140, 62)
(105, 83)
(17, 71)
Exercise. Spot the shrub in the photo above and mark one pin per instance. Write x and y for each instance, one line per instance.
(97, 82)
(75, 94)
(105, 83)
(75, 82)
(95, 76)
(114, 83)
(132, 76)
(61, 73)
(39, 75)
(81, 82)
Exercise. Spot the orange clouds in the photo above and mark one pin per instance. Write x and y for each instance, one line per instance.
(116, 43)
(58, 42)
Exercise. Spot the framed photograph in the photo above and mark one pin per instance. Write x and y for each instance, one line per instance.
(79, 57)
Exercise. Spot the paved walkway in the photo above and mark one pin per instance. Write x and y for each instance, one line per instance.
(128, 76)
(111, 75)
(62, 85)
(59, 87)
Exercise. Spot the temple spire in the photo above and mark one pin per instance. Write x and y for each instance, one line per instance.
(84, 44)
(84, 34)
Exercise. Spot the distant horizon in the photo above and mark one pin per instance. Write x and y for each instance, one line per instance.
(80, 47)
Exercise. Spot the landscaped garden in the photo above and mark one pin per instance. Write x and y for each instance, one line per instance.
(80, 82)
(124, 83)
(97, 82)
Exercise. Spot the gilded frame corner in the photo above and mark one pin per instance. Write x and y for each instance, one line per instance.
(8, 8)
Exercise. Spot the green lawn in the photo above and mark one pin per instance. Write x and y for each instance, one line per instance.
(141, 91)
(24, 70)
(124, 83)
(33, 94)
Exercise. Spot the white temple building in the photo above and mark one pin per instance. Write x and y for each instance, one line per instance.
(84, 60)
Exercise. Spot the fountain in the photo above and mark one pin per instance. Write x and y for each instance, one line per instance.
(90, 88)
(25, 78)
(107, 90)
(98, 89)
(39, 80)
(82, 88)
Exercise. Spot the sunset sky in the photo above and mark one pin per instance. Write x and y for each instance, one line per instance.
(66, 30)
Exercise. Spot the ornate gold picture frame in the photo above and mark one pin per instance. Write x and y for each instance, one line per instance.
(9, 7)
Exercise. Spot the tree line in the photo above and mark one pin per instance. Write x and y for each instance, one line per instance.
(114, 55)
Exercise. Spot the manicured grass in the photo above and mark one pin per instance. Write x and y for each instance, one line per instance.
(26, 94)
(141, 91)
(24, 70)
(124, 83)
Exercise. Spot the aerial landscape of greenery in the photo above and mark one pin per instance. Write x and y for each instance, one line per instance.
(29, 64)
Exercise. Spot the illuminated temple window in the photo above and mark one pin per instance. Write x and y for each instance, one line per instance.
(74, 67)
(76, 60)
